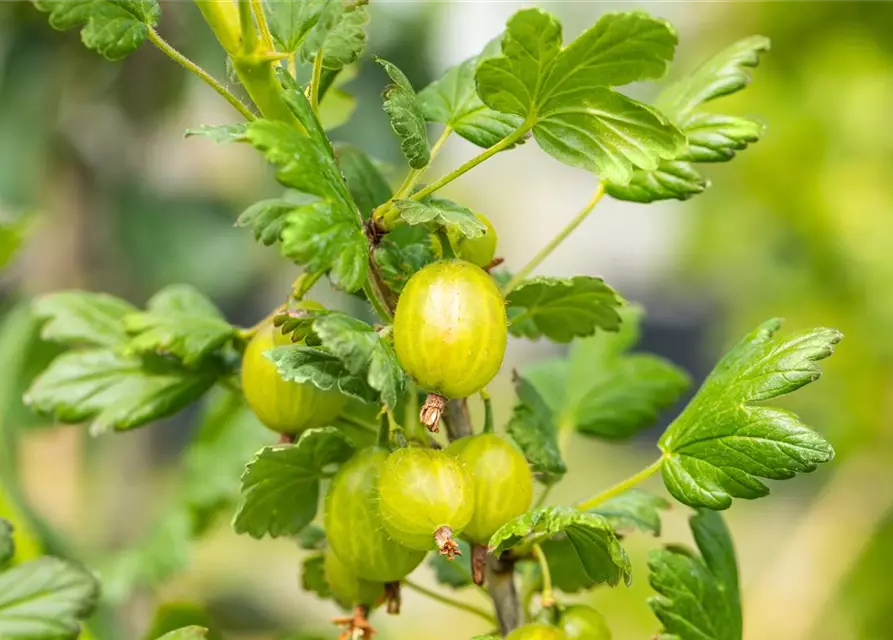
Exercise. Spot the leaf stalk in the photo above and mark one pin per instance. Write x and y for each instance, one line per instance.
(621, 487)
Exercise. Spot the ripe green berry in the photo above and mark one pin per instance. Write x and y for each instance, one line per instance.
(479, 251)
(581, 622)
(284, 407)
(450, 328)
(503, 484)
(537, 631)
(425, 497)
(354, 525)
(347, 588)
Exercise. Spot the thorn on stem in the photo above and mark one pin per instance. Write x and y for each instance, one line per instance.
(448, 547)
(432, 410)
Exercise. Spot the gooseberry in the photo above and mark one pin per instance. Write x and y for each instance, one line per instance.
(581, 622)
(450, 332)
(480, 250)
(503, 484)
(354, 525)
(348, 589)
(285, 407)
(537, 631)
(425, 497)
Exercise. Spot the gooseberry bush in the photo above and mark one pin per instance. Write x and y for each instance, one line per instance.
(363, 477)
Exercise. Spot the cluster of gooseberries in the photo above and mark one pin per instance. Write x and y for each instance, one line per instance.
(387, 508)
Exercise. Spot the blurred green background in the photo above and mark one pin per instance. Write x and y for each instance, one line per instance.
(108, 195)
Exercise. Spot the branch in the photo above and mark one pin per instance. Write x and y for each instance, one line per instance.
(500, 577)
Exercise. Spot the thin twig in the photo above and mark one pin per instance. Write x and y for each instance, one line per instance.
(468, 608)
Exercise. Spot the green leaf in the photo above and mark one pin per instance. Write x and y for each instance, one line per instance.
(319, 367)
(455, 573)
(533, 429)
(291, 21)
(113, 390)
(711, 137)
(305, 163)
(565, 94)
(562, 308)
(280, 487)
(723, 441)
(402, 252)
(453, 101)
(178, 320)
(634, 509)
(591, 535)
(723, 74)
(716, 138)
(568, 573)
(112, 28)
(407, 120)
(7, 544)
(698, 596)
(220, 133)
(440, 212)
(180, 617)
(83, 317)
(364, 353)
(186, 633)
(602, 390)
(44, 599)
(320, 237)
(313, 576)
(340, 34)
(671, 180)
(367, 186)
(312, 538)
(12, 236)
(267, 218)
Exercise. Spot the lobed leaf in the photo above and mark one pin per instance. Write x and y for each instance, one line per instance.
(364, 353)
(321, 368)
(338, 31)
(710, 137)
(402, 252)
(181, 321)
(280, 487)
(723, 442)
(440, 212)
(453, 101)
(698, 596)
(114, 390)
(533, 429)
(44, 599)
(562, 308)
(591, 535)
(634, 509)
(407, 119)
(112, 28)
(83, 318)
(602, 390)
(367, 185)
(565, 95)
(313, 577)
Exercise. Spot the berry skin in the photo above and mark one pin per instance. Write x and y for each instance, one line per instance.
(354, 525)
(450, 328)
(581, 622)
(537, 632)
(349, 590)
(479, 251)
(426, 497)
(503, 484)
(284, 407)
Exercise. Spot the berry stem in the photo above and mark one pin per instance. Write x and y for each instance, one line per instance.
(503, 144)
(315, 78)
(621, 487)
(488, 411)
(395, 430)
(548, 599)
(468, 608)
(528, 268)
